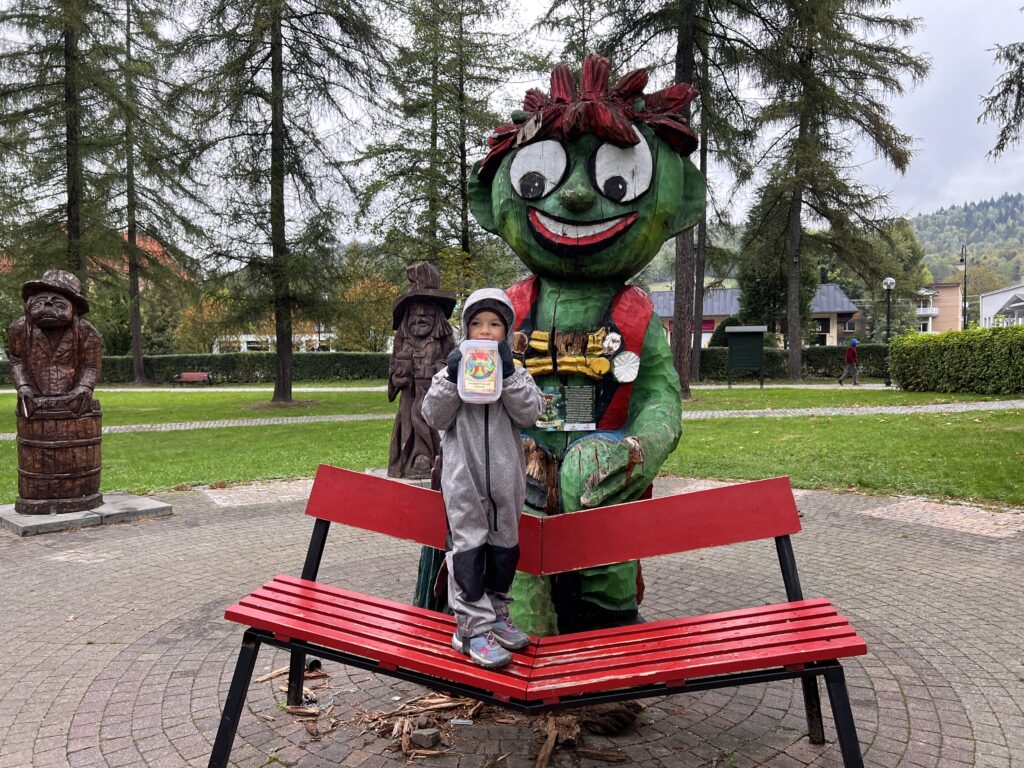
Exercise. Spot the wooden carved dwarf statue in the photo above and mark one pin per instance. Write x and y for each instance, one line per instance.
(423, 340)
(55, 362)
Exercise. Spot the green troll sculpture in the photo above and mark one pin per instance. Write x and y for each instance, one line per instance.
(585, 185)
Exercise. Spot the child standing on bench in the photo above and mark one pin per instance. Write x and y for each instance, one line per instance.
(483, 480)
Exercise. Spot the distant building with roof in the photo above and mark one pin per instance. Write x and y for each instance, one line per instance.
(831, 309)
(1002, 307)
(939, 308)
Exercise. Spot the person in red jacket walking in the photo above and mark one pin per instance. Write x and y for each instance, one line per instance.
(851, 364)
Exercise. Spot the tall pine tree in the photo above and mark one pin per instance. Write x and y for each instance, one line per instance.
(56, 139)
(269, 93)
(826, 68)
(433, 124)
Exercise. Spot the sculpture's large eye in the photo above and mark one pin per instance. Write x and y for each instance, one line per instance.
(623, 174)
(537, 168)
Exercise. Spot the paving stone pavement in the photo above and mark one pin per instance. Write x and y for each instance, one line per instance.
(115, 652)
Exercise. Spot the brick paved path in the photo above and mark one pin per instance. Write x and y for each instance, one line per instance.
(114, 652)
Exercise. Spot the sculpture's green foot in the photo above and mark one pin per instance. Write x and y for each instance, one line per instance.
(532, 609)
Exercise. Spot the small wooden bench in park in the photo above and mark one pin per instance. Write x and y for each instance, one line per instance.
(192, 377)
(799, 639)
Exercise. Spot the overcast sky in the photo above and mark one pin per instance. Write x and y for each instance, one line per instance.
(950, 165)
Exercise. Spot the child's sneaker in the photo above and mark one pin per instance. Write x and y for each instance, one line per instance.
(483, 649)
(508, 634)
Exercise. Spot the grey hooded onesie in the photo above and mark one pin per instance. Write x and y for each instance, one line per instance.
(483, 479)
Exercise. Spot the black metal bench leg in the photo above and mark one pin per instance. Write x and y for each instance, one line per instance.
(296, 678)
(812, 706)
(236, 700)
(839, 698)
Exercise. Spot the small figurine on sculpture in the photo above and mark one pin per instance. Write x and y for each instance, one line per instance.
(423, 340)
(55, 362)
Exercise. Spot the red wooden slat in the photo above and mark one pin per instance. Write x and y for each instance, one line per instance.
(446, 664)
(402, 639)
(682, 655)
(358, 601)
(400, 510)
(377, 504)
(384, 621)
(781, 611)
(702, 667)
(669, 642)
(757, 510)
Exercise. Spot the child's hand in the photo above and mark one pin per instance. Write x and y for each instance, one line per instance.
(453, 364)
(508, 367)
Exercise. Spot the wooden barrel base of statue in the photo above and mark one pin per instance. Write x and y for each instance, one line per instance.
(58, 463)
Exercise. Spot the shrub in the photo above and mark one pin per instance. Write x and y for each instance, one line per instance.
(829, 362)
(719, 338)
(243, 367)
(982, 360)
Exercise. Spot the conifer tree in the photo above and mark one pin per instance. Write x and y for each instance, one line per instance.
(269, 93)
(55, 99)
(826, 68)
(434, 120)
(1004, 104)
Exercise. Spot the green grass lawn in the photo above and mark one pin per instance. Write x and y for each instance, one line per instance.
(975, 456)
(722, 399)
(134, 407)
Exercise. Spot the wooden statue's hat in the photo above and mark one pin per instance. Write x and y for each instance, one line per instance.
(424, 285)
(58, 281)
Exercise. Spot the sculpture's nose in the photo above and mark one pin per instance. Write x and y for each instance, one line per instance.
(577, 194)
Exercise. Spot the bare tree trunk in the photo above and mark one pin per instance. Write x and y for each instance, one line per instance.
(463, 140)
(433, 204)
(138, 374)
(794, 333)
(682, 314)
(699, 261)
(278, 237)
(73, 152)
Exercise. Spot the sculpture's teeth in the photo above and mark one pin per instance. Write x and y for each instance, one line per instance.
(576, 231)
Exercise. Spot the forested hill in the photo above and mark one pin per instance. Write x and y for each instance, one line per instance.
(992, 229)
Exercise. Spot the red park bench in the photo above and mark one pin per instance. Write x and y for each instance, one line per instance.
(799, 639)
(192, 377)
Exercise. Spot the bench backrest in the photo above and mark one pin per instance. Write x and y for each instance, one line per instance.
(661, 526)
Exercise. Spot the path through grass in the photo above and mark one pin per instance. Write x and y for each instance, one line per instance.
(974, 456)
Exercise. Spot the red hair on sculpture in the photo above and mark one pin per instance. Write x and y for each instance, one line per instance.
(593, 107)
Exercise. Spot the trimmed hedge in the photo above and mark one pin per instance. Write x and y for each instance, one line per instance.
(818, 362)
(253, 367)
(244, 367)
(982, 360)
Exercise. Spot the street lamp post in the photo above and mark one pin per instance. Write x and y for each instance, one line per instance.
(963, 265)
(888, 284)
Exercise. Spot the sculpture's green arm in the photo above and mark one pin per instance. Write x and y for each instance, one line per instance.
(598, 472)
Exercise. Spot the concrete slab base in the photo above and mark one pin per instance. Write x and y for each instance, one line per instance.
(116, 508)
(383, 472)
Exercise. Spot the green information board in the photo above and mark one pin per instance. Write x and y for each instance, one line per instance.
(746, 349)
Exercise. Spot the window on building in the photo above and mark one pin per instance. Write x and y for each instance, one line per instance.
(924, 302)
(850, 326)
(925, 327)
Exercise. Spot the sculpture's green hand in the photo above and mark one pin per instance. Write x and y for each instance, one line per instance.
(598, 472)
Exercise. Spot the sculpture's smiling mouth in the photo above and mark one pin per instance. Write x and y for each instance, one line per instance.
(576, 236)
